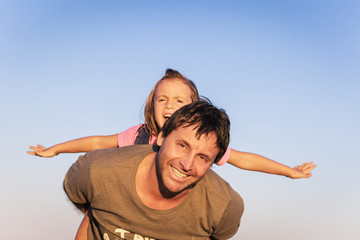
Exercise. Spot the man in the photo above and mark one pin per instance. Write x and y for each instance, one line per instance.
(167, 192)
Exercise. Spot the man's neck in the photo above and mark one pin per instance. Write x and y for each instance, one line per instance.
(147, 187)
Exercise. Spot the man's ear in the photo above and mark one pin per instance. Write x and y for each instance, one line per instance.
(160, 139)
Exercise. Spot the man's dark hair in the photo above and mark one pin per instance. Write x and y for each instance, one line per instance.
(206, 119)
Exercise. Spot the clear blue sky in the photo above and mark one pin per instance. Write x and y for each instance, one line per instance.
(286, 72)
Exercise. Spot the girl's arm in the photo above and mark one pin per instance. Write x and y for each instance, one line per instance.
(255, 162)
(85, 144)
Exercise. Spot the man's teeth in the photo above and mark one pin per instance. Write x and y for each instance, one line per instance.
(178, 173)
(167, 115)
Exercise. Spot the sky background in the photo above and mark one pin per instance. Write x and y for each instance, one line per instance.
(286, 72)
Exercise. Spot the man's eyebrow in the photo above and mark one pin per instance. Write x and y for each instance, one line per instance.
(183, 141)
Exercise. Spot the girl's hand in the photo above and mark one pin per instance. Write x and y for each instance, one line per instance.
(41, 151)
(303, 170)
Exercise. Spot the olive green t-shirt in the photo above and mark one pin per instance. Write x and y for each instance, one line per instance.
(106, 180)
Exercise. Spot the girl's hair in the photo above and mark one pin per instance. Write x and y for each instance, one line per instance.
(149, 113)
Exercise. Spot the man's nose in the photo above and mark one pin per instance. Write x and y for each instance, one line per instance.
(187, 163)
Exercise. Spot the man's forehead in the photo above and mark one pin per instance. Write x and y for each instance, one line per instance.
(190, 132)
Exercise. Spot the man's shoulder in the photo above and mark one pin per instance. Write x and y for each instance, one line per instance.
(218, 188)
(221, 204)
(112, 157)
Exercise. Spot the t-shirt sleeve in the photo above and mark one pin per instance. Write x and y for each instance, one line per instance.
(230, 221)
(225, 158)
(127, 137)
(77, 183)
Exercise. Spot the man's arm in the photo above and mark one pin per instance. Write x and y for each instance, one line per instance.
(230, 221)
(77, 183)
(81, 233)
(82, 207)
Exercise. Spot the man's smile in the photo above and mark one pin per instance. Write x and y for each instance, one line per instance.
(178, 173)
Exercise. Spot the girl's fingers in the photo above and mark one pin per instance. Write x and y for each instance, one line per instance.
(31, 152)
(42, 148)
(305, 168)
(308, 168)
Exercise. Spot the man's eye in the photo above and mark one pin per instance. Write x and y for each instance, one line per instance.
(180, 101)
(203, 158)
(182, 147)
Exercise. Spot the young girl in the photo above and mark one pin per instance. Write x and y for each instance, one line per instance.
(170, 93)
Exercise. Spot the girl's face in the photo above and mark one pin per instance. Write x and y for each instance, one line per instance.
(170, 95)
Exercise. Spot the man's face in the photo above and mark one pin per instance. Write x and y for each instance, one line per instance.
(183, 159)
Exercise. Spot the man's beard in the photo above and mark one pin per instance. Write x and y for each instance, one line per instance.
(159, 174)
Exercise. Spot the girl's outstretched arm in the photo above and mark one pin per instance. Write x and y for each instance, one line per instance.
(255, 162)
(85, 144)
